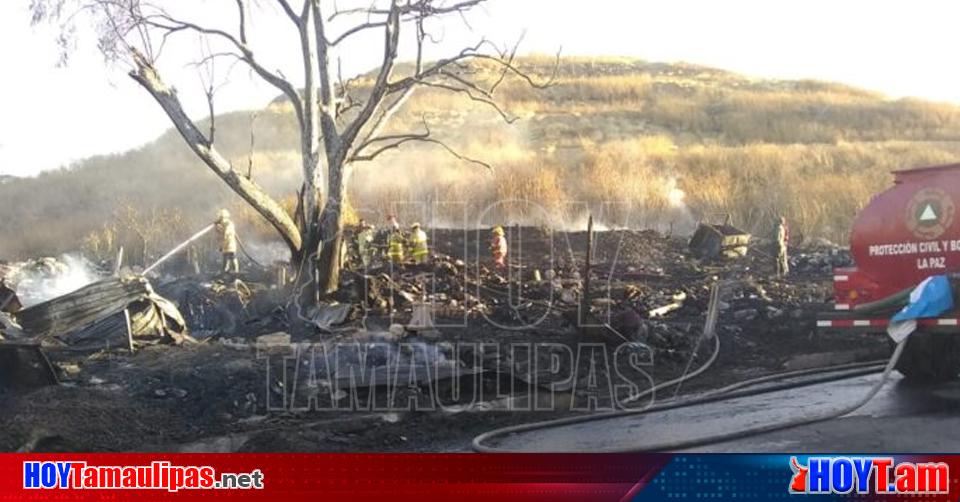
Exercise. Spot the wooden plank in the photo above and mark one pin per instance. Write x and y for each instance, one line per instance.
(126, 318)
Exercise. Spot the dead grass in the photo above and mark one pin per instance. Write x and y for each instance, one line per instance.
(611, 130)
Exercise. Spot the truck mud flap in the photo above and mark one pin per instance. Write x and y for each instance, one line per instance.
(24, 367)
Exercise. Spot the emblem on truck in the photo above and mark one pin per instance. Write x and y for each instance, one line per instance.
(930, 213)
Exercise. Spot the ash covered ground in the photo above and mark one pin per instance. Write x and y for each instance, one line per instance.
(427, 357)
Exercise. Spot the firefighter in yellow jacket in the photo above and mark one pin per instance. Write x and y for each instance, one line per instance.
(498, 247)
(365, 243)
(395, 246)
(419, 248)
(227, 232)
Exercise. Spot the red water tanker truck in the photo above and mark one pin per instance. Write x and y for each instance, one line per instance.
(904, 235)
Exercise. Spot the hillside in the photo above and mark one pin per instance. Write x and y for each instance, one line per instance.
(663, 143)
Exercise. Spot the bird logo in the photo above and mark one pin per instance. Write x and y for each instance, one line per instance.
(798, 484)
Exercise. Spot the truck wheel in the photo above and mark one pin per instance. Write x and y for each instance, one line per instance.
(930, 357)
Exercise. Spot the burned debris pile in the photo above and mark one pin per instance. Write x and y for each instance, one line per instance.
(221, 307)
(411, 326)
(645, 287)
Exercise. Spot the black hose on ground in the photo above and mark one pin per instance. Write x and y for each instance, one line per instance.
(898, 299)
(479, 443)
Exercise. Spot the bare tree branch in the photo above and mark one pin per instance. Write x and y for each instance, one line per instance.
(253, 139)
(327, 89)
(470, 54)
(473, 97)
(213, 116)
(147, 76)
(422, 8)
(395, 141)
(381, 86)
(288, 10)
(356, 29)
(242, 11)
(171, 24)
(398, 103)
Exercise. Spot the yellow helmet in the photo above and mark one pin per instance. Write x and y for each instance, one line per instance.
(497, 230)
(415, 225)
(223, 214)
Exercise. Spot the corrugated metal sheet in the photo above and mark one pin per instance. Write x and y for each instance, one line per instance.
(94, 313)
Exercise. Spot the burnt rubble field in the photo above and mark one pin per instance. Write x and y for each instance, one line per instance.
(418, 359)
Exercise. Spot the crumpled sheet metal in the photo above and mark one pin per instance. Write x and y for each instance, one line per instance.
(326, 317)
(95, 313)
(9, 329)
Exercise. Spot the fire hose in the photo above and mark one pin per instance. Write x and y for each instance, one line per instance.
(247, 253)
(480, 442)
(193, 238)
(720, 394)
(178, 248)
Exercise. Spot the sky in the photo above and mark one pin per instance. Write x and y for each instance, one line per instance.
(51, 116)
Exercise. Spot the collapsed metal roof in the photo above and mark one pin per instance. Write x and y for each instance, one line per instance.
(95, 314)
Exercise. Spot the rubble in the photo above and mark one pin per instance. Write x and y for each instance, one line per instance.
(9, 301)
(9, 329)
(24, 367)
(278, 339)
(325, 317)
(219, 308)
(647, 292)
(821, 259)
(642, 277)
(676, 303)
(712, 241)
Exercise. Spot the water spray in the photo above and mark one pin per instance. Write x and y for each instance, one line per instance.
(178, 248)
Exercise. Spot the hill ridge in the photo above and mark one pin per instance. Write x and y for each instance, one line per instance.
(611, 129)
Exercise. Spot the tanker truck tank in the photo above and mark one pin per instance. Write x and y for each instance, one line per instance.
(905, 234)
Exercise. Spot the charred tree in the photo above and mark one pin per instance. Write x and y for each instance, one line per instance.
(337, 129)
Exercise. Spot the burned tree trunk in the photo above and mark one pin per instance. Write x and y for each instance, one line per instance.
(331, 231)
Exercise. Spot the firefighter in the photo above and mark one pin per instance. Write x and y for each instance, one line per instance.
(395, 244)
(228, 242)
(365, 244)
(783, 239)
(498, 247)
(419, 248)
(382, 237)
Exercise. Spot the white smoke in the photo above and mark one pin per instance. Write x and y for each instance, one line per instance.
(37, 281)
(680, 219)
(268, 253)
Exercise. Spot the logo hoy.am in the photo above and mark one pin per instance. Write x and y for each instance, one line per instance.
(878, 475)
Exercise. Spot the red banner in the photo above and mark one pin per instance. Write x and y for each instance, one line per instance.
(294, 477)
